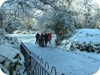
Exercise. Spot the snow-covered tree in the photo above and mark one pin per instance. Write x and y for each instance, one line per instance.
(39, 13)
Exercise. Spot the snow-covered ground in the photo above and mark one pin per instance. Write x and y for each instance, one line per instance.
(66, 61)
(10, 55)
(84, 40)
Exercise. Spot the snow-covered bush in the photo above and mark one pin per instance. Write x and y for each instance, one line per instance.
(84, 40)
(20, 32)
(3, 70)
(8, 40)
(10, 55)
(17, 32)
(14, 61)
(12, 41)
(2, 32)
(2, 36)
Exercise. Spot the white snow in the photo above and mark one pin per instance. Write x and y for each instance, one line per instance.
(9, 52)
(89, 37)
(66, 61)
(2, 1)
(98, 72)
(2, 73)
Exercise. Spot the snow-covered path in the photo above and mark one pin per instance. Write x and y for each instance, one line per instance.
(67, 62)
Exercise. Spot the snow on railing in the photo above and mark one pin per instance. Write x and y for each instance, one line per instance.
(34, 64)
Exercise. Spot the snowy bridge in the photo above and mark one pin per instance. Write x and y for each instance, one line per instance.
(34, 64)
(65, 62)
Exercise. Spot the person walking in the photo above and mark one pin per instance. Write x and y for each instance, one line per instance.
(37, 36)
(41, 40)
(49, 37)
(46, 39)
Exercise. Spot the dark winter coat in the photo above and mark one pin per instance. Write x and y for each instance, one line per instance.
(46, 37)
(37, 36)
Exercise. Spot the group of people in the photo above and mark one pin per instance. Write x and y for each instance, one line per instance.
(43, 39)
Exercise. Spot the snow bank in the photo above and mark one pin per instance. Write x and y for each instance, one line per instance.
(8, 39)
(84, 40)
(13, 41)
(10, 55)
(20, 32)
(10, 52)
(4, 72)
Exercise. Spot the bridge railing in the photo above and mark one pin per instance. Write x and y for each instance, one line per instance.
(34, 64)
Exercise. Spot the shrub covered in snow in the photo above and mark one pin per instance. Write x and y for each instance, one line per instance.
(10, 55)
(21, 32)
(84, 40)
(11, 58)
(12, 41)
(8, 39)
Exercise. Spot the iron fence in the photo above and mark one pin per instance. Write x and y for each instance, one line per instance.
(34, 64)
